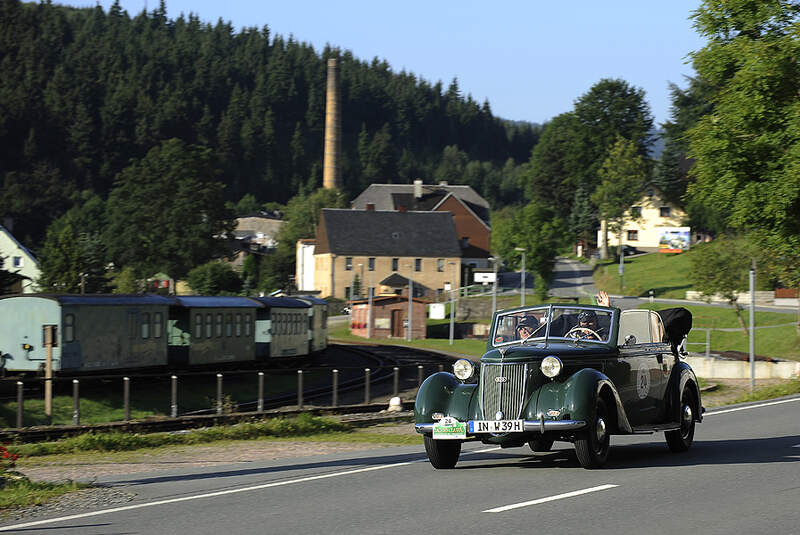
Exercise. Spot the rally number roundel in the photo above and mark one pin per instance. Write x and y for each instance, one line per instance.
(643, 380)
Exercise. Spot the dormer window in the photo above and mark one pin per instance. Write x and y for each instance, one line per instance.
(665, 211)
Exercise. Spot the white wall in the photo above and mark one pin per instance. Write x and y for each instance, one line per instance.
(304, 275)
(28, 266)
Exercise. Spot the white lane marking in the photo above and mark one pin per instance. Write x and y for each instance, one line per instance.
(549, 499)
(207, 495)
(752, 406)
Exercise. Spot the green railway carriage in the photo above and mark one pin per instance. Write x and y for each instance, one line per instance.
(318, 322)
(209, 330)
(283, 327)
(93, 332)
(570, 373)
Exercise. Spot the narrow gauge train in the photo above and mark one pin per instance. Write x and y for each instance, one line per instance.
(99, 333)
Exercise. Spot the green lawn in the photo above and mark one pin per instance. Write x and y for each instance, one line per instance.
(665, 274)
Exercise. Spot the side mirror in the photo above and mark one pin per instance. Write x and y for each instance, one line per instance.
(630, 340)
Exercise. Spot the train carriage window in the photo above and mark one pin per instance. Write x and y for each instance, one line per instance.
(247, 324)
(325, 318)
(157, 324)
(298, 321)
(228, 325)
(198, 326)
(145, 325)
(209, 325)
(69, 328)
(238, 325)
(219, 325)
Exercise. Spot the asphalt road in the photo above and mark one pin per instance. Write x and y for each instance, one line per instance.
(741, 476)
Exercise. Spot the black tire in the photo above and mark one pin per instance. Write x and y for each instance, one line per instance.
(541, 444)
(681, 439)
(592, 446)
(443, 454)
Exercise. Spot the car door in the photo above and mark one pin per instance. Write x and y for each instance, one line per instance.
(664, 361)
(641, 358)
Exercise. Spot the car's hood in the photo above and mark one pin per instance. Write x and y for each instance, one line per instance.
(527, 352)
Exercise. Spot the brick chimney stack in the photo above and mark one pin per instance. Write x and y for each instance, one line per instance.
(331, 164)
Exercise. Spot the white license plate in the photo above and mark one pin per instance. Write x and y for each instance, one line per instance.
(496, 426)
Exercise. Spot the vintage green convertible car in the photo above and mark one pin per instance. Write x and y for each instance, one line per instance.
(570, 373)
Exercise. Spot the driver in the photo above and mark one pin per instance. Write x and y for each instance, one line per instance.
(527, 326)
(587, 319)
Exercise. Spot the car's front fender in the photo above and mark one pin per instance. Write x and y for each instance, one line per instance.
(443, 392)
(575, 398)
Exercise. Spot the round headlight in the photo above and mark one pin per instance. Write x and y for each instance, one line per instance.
(551, 366)
(463, 369)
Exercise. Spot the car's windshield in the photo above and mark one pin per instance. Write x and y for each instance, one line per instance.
(576, 323)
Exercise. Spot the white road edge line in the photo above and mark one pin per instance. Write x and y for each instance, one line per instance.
(222, 493)
(549, 499)
(207, 495)
(752, 406)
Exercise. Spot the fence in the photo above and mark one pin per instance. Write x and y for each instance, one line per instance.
(194, 393)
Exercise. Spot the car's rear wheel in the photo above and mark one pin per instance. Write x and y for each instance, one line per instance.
(541, 444)
(442, 454)
(681, 439)
(592, 446)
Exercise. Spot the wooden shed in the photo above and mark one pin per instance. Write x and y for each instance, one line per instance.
(389, 317)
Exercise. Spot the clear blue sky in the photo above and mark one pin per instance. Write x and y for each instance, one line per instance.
(529, 58)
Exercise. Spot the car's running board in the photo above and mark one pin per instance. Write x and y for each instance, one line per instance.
(650, 429)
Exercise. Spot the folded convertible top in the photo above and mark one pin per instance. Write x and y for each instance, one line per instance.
(677, 322)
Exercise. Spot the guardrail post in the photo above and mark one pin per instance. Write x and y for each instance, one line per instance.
(173, 408)
(300, 389)
(260, 391)
(76, 404)
(419, 375)
(126, 397)
(396, 380)
(335, 398)
(708, 343)
(20, 400)
(366, 386)
(219, 393)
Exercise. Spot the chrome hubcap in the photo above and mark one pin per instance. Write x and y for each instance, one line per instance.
(686, 417)
(600, 430)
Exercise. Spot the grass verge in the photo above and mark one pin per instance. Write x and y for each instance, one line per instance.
(21, 492)
(771, 392)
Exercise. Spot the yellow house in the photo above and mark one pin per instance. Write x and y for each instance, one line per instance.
(359, 249)
(645, 224)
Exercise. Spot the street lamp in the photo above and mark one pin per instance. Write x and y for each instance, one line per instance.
(452, 302)
(410, 296)
(522, 291)
(494, 286)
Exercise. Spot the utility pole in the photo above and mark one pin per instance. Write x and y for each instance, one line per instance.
(410, 299)
(494, 286)
(753, 327)
(369, 307)
(522, 290)
(453, 286)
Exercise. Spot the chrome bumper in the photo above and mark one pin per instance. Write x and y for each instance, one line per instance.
(542, 426)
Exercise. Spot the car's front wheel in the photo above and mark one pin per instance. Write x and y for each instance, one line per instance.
(681, 439)
(593, 445)
(442, 453)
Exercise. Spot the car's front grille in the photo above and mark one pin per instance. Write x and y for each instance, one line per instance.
(502, 389)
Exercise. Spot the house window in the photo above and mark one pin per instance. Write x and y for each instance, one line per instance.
(440, 265)
(417, 264)
(348, 263)
(17, 261)
(636, 211)
(69, 328)
(665, 211)
(157, 325)
(145, 325)
(395, 261)
(371, 264)
(633, 235)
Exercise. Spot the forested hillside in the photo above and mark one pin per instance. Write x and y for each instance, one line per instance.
(85, 94)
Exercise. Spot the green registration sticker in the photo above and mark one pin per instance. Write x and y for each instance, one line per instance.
(449, 428)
